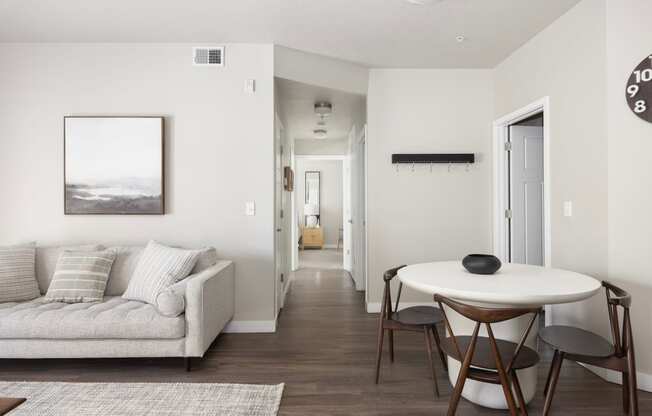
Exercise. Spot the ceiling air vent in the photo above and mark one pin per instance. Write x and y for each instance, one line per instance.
(208, 56)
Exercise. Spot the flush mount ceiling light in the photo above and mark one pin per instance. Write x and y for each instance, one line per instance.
(460, 38)
(323, 108)
(320, 133)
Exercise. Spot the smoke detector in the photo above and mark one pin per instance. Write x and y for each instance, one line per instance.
(320, 133)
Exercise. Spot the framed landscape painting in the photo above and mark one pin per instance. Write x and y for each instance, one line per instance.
(113, 165)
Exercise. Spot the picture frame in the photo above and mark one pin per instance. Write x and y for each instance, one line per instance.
(114, 165)
(288, 178)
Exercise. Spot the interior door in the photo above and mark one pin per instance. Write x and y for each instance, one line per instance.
(279, 238)
(348, 216)
(362, 197)
(526, 195)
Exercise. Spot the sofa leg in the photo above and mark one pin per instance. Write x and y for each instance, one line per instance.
(188, 363)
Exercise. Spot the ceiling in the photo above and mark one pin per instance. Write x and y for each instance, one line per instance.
(296, 103)
(374, 33)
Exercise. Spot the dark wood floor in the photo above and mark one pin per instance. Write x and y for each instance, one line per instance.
(324, 352)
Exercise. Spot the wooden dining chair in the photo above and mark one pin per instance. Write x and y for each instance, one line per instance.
(487, 359)
(582, 346)
(416, 318)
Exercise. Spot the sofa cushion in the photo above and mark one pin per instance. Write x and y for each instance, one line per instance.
(115, 318)
(80, 276)
(124, 265)
(46, 261)
(18, 273)
(207, 258)
(159, 267)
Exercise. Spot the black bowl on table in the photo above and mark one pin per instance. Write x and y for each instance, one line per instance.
(481, 263)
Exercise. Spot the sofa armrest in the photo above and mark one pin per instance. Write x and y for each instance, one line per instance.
(209, 297)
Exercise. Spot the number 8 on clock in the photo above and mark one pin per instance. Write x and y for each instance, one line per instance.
(638, 91)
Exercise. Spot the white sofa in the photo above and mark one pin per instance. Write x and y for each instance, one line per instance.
(117, 327)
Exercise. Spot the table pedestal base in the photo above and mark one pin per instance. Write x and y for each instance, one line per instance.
(486, 394)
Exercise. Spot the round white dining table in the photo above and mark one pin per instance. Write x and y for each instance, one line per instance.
(513, 285)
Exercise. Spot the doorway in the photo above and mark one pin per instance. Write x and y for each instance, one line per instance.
(522, 232)
(319, 211)
(525, 188)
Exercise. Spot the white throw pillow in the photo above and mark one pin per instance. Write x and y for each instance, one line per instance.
(80, 276)
(18, 273)
(170, 304)
(159, 267)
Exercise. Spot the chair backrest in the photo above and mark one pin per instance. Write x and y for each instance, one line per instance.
(486, 316)
(386, 308)
(617, 297)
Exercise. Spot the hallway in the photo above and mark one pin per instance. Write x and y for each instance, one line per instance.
(327, 258)
(324, 352)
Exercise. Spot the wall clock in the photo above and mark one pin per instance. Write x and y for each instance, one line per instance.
(639, 90)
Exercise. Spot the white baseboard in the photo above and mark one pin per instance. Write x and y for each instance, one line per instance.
(643, 380)
(374, 307)
(248, 327)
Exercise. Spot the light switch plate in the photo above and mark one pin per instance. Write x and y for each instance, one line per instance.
(568, 208)
(250, 86)
(250, 208)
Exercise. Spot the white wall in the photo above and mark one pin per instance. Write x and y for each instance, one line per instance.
(217, 158)
(600, 153)
(320, 70)
(330, 147)
(421, 216)
(629, 40)
(331, 194)
(566, 62)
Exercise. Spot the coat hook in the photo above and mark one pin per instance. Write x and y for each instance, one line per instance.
(450, 165)
(397, 168)
(468, 166)
(430, 167)
(412, 166)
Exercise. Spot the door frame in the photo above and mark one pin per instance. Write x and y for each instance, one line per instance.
(295, 230)
(280, 248)
(362, 140)
(501, 181)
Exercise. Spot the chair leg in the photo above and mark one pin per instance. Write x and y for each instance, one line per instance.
(519, 394)
(459, 386)
(507, 390)
(379, 349)
(625, 378)
(429, 354)
(552, 364)
(556, 368)
(633, 386)
(391, 345)
(442, 356)
(463, 374)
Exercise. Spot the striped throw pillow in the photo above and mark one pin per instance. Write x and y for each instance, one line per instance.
(80, 276)
(18, 273)
(159, 267)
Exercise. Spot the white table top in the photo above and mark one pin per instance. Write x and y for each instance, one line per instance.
(513, 284)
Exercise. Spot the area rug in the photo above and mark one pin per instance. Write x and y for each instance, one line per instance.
(118, 399)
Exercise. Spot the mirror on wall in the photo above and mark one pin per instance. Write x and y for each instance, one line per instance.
(311, 209)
